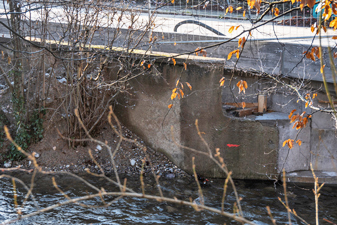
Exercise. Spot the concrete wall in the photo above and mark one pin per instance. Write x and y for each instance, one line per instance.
(145, 111)
(260, 154)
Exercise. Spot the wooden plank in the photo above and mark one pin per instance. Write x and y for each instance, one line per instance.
(245, 112)
(262, 103)
(239, 104)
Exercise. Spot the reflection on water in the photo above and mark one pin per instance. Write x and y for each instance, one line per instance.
(255, 197)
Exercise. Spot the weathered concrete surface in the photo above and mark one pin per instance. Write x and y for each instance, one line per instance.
(147, 114)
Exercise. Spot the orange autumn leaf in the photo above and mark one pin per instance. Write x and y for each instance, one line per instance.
(237, 27)
(242, 85)
(222, 81)
(289, 142)
(237, 54)
(291, 113)
(231, 29)
(306, 104)
(188, 85)
(243, 105)
(142, 63)
(314, 95)
(334, 37)
(335, 55)
(276, 12)
(174, 90)
(174, 61)
(299, 142)
(170, 106)
(181, 85)
(176, 84)
(175, 44)
(239, 42)
(230, 9)
(172, 1)
(244, 13)
(324, 28)
(312, 28)
(238, 8)
(185, 66)
(231, 53)
(181, 93)
(149, 66)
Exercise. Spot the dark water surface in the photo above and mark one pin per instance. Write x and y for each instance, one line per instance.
(255, 197)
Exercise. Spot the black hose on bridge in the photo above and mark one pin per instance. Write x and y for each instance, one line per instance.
(198, 23)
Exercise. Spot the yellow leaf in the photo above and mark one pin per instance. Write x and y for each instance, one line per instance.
(172, 1)
(177, 83)
(244, 13)
(230, 9)
(306, 104)
(170, 106)
(238, 8)
(174, 90)
(173, 96)
(243, 105)
(292, 1)
(237, 54)
(284, 143)
(188, 85)
(142, 63)
(227, 10)
(230, 55)
(322, 68)
(276, 12)
(314, 95)
(175, 44)
(222, 83)
(187, 1)
(231, 29)
(163, 37)
(185, 66)
(251, 3)
(174, 61)
(290, 143)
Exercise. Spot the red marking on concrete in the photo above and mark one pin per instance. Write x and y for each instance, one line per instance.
(231, 145)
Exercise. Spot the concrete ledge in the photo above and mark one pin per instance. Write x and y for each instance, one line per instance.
(307, 177)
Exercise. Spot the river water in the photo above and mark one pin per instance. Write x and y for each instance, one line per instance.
(256, 195)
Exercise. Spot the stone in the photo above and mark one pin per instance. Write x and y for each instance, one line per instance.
(132, 162)
(8, 164)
